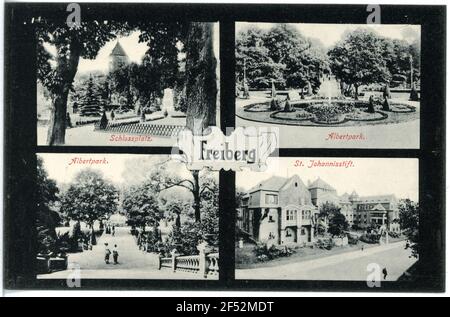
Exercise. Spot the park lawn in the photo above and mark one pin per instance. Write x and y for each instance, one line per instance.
(246, 258)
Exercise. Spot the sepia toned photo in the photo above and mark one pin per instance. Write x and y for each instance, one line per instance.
(122, 216)
(330, 85)
(110, 83)
(328, 219)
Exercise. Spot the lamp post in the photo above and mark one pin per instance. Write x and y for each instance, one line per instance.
(411, 70)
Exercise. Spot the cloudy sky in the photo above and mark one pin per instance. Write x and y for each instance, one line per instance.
(368, 176)
(329, 34)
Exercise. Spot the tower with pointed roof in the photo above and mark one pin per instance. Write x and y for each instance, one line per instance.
(118, 58)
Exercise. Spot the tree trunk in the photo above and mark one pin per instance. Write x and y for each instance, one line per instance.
(201, 87)
(196, 193)
(356, 92)
(66, 70)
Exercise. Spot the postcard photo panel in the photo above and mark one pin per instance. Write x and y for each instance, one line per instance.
(125, 84)
(330, 85)
(123, 216)
(336, 219)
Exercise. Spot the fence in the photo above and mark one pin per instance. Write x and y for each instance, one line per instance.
(204, 264)
(142, 128)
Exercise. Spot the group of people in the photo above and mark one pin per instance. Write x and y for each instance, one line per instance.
(115, 254)
(110, 230)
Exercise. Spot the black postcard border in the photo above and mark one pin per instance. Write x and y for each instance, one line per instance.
(20, 137)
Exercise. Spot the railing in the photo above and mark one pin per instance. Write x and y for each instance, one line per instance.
(206, 265)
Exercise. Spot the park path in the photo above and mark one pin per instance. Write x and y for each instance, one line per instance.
(350, 266)
(133, 263)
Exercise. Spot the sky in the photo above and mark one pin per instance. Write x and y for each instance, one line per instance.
(330, 34)
(58, 168)
(368, 176)
(132, 48)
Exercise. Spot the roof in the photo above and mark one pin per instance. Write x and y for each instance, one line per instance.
(319, 183)
(377, 198)
(118, 50)
(274, 183)
(345, 198)
(378, 207)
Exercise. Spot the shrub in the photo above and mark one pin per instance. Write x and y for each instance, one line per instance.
(370, 238)
(324, 243)
(352, 239)
(264, 253)
(275, 104)
(393, 234)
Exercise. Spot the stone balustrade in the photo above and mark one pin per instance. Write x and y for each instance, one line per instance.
(203, 263)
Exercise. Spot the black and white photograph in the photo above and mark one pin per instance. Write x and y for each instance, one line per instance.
(328, 219)
(110, 83)
(330, 85)
(125, 216)
(186, 150)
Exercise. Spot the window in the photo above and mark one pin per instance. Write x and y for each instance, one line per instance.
(296, 184)
(291, 215)
(271, 199)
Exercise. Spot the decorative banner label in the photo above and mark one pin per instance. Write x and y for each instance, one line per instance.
(244, 147)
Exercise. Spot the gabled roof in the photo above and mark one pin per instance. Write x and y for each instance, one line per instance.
(319, 183)
(379, 207)
(274, 183)
(118, 50)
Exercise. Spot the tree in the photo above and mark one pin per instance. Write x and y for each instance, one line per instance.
(71, 43)
(162, 179)
(89, 197)
(337, 223)
(409, 223)
(331, 214)
(201, 86)
(187, 237)
(90, 102)
(46, 219)
(260, 69)
(359, 59)
(141, 206)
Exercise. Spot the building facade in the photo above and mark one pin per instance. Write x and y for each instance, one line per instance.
(285, 210)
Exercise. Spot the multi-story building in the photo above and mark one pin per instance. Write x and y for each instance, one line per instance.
(279, 210)
(285, 210)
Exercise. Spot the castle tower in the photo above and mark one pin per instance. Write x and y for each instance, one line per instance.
(118, 58)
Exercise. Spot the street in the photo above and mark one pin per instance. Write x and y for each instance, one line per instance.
(351, 266)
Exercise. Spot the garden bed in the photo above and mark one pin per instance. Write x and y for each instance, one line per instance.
(334, 112)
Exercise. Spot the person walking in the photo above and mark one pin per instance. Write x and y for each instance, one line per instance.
(116, 254)
(107, 253)
(113, 231)
(385, 273)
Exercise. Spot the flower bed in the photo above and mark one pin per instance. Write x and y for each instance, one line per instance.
(401, 108)
(258, 107)
(297, 115)
(362, 115)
